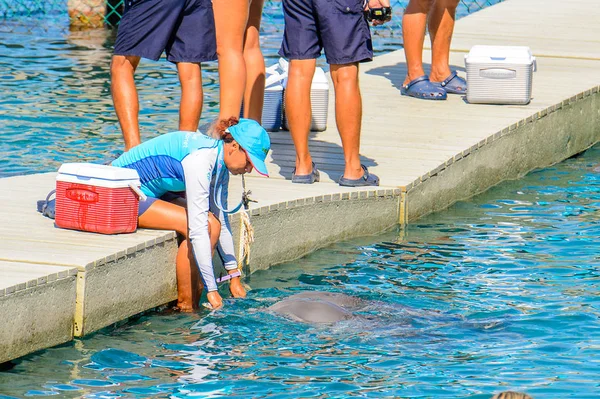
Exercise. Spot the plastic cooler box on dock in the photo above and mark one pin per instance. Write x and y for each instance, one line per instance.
(319, 102)
(97, 198)
(499, 74)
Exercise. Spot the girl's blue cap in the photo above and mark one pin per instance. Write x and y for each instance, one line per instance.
(254, 139)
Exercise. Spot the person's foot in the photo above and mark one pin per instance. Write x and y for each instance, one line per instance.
(183, 307)
(309, 178)
(452, 84)
(422, 88)
(367, 179)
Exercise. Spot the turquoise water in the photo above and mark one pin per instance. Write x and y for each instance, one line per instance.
(497, 293)
(55, 103)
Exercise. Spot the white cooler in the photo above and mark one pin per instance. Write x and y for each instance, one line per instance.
(319, 102)
(499, 74)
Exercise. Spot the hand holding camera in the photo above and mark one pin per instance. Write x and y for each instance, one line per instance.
(378, 12)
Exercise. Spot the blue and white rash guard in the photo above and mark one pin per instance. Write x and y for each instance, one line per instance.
(187, 161)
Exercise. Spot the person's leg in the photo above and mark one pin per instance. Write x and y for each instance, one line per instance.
(214, 230)
(164, 215)
(190, 107)
(145, 30)
(298, 111)
(441, 26)
(125, 98)
(348, 115)
(255, 64)
(414, 23)
(231, 17)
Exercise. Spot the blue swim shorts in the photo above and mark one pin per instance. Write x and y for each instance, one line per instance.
(184, 29)
(337, 26)
(168, 196)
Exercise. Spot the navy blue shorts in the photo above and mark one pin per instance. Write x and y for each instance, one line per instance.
(184, 29)
(337, 26)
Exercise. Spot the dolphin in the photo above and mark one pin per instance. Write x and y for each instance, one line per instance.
(317, 307)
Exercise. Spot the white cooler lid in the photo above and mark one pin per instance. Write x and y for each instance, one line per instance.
(500, 54)
(109, 175)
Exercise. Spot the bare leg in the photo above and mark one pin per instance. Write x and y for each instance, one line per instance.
(441, 26)
(164, 215)
(255, 64)
(190, 107)
(348, 115)
(125, 98)
(297, 108)
(231, 17)
(414, 22)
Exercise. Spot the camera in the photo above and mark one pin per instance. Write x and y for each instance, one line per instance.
(379, 14)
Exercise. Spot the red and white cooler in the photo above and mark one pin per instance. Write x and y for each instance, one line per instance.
(97, 198)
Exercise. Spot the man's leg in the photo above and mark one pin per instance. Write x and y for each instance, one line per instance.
(190, 107)
(414, 22)
(125, 97)
(441, 26)
(348, 115)
(298, 111)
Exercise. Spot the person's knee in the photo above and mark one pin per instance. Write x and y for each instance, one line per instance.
(302, 69)
(449, 5)
(189, 73)
(421, 5)
(121, 63)
(344, 74)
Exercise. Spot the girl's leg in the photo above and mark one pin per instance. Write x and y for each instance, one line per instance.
(231, 17)
(162, 215)
(255, 64)
(214, 230)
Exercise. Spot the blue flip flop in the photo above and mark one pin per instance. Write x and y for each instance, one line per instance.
(422, 88)
(453, 84)
(368, 179)
(47, 207)
(314, 176)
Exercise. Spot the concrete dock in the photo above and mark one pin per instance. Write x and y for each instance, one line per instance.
(56, 284)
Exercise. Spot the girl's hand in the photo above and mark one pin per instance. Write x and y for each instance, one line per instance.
(236, 288)
(215, 299)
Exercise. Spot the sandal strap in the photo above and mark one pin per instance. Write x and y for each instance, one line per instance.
(449, 78)
(45, 206)
(366, 172)
(415, 81)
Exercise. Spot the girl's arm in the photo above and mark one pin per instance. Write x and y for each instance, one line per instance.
(198, 168)
(225, 248)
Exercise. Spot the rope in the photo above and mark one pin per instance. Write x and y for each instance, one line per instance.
(246, 238)
(246, 229)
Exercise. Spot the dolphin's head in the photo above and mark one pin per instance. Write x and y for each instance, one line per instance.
(310, 311)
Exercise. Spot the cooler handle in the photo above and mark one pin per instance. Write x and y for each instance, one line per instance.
(139, 192)
(534, 64)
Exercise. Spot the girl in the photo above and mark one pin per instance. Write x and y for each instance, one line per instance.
(200, 166)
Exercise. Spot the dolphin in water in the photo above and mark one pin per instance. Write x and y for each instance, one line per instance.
(318, 307)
